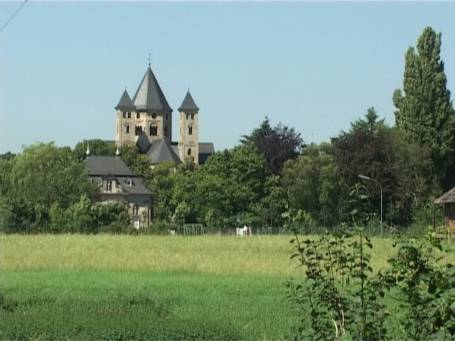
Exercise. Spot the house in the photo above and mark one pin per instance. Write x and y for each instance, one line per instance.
(118, 183)
(448, 202)
(146, 120)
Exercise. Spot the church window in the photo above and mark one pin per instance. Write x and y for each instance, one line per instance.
(153, 115)
(190, 130)
(109, 185)
(192, 116)
(138, 115)
(153, 130)
(138, 130)
(187, 116)
(129, 115)
(127, 129)
(124, 115)
(189, 151)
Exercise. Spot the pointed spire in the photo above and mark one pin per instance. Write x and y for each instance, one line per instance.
(149, 96)
(188, 104)
(125, 102)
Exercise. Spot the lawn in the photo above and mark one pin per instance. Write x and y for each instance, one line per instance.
(148, 287)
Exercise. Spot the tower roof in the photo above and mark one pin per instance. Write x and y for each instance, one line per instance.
(125, 102)
(161, 151)
(188, 104)
(149, 96)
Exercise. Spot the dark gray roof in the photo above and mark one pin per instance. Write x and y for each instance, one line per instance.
(447, 197)
(162, 151)
(149, 96)
(107, 165)
(188, 104)
(143, 142)
(206, 148)
(125, 102)
(133, 186)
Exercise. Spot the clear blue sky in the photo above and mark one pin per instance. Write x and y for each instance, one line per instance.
(313, 66)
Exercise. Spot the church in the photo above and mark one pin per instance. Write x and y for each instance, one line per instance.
(146, 121)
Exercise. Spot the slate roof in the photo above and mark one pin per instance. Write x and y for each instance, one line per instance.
(448, 197)
(162, 151)
(107, 165)
(143, 142)
(188, 104)
(149, 96)
(136, 187)
(125, 102)
(206, 148)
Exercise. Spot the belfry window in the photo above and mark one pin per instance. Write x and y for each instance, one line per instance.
(190, 130)
(129, 115)
(187, 116)
(138, 115)
(153, 115)
(192, 116)
(124, 115)
(189, 151)
(127, 129)
(153, 130)
(138, 130)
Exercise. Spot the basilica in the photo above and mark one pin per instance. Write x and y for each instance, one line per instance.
(146, 121)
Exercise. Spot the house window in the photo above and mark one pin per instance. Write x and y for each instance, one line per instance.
(153, 130)
(129, 115)
(138, 130)
(108, 185)
(138, 115)
(190, 130)
(189, 151)
(127, 129)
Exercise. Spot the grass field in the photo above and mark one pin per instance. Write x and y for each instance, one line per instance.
(148, 287)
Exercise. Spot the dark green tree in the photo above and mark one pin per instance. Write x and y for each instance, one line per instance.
(424, 110)
(96, 147)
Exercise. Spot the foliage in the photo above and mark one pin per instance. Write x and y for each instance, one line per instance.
(277, 144)
(96, 147)
(424, 109)
(338, 297)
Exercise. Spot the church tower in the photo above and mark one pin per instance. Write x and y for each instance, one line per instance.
(188, 145)
(147, 112)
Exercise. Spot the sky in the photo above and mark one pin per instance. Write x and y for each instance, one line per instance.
(312, 66)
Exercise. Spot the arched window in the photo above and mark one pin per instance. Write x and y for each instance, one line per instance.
(129, 115)
(153, 115)
(138, 130)
(138, 115)
(124, 115)
(192, 116)
(153, 130)
(190, 130)
(127, 129)
(189, 151)
(187, 116)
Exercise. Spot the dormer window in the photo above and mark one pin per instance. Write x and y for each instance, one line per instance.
(190, 130)
(129, 182)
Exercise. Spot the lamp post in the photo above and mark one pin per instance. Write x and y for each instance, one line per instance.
(364, 177)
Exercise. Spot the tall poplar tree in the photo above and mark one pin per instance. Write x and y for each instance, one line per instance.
(424, 110)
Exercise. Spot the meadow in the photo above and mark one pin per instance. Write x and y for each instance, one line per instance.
(149, 287)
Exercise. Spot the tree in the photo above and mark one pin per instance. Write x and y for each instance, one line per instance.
(278, 144)
(424, 110)
(96, 147)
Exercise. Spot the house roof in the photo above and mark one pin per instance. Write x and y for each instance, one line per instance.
(162, 151)
(149, 96)
(133, 186)
(188, 104)
(143, 142)
(125, 102)
(447, 197)
(107, 165)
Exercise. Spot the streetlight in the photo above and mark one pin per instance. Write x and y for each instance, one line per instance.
(364, 177)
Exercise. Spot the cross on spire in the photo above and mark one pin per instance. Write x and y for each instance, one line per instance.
(149, 59)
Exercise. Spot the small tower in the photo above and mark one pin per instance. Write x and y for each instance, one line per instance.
(125, 120)
(189, 130)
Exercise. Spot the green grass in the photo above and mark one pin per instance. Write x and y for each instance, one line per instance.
(148, 287)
